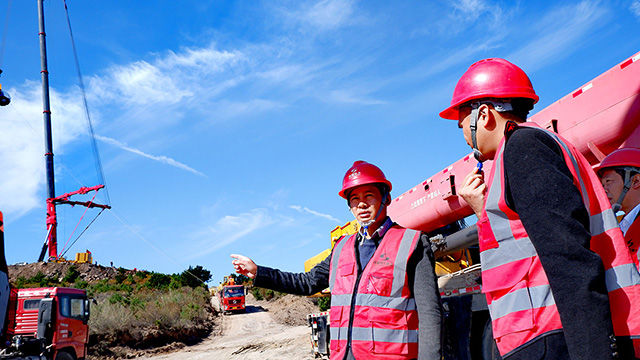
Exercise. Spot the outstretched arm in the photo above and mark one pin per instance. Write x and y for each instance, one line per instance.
(306, 283)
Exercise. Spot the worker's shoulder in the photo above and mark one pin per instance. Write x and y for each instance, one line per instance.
(528, 139)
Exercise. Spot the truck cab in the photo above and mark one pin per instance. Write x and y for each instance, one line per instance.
(50, 322)
(233, 298)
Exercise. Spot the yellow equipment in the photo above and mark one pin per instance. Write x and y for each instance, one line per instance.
(84, 258)
(81, 258)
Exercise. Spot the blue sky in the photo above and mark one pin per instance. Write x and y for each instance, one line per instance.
(226, 126)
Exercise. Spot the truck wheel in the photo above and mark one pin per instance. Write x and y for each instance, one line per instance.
(489, 348)
(63, 355)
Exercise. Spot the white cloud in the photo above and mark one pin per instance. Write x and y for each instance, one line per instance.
(168, 80)
(22, 143)
(322, 16)
(352, 97)
(470, 7)
(635, 8)
(161, 158)
(230, 229)
(305, 209)
(465, 14)
(559, 33)
(329, 14)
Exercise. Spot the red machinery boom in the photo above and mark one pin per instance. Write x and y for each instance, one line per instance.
(597, 118)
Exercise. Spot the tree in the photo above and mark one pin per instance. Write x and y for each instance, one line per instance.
(240, 279)
(195, 276)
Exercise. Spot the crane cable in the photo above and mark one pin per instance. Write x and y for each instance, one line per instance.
(83, 231)
(150, 243)
(78, 224)
(97, 157)
(94, 145)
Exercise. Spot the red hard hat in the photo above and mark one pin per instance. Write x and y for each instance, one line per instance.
(490, 78)
(362, 173)
(621, 158)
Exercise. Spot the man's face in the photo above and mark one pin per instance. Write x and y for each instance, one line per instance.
(364, 202)
(613, 185)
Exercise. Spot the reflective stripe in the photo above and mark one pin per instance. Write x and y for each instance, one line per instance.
(521, 299)
(621, 276)
(509, 251)
(399, 267)
(374, 300)
(602, 222)
(498, 220)
(335, 257)
(576, 167)
(380, 335)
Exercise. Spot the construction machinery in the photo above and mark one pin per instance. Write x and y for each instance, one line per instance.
(231, 295)
(81, 258)
(43, 323)
(598, 118)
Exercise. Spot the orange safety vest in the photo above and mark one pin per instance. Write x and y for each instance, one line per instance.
(385, 319)
(632, 237)
(518, 293)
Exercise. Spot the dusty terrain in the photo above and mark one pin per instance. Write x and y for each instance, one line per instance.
(274, 329)
(260, 333)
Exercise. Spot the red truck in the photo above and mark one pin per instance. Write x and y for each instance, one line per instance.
(41, 323)
(232, 298)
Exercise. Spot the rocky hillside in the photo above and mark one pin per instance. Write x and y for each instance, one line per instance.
(87, 272)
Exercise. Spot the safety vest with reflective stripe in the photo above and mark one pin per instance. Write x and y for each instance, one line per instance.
(632, 237)
(385, 319)
(520, 299)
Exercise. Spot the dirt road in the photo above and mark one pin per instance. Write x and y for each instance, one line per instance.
(253, 335)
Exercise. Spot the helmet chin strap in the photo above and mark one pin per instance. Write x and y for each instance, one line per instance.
(499, 106)
(473, 124)
(627, 185)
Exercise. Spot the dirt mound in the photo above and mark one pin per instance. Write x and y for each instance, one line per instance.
(291, 309)
(87, 272)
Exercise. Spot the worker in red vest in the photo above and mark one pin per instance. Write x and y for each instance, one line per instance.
(558, 278)
(619, 173)
(385, 302)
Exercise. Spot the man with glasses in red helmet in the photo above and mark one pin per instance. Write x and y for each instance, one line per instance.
(385, 302)
(619, 173)
(559, 281)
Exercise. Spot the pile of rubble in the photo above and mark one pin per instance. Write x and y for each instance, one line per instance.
(87, 272)
(290, 309)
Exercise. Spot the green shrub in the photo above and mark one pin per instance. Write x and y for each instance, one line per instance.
(72, 275)
(81, 284)
(324, 303)
(121, 276)
(158, 281)
(20, 282)
(256, 293)
(161, 309)
(195, 276)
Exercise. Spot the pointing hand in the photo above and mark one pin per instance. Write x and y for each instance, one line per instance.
(244, 266)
